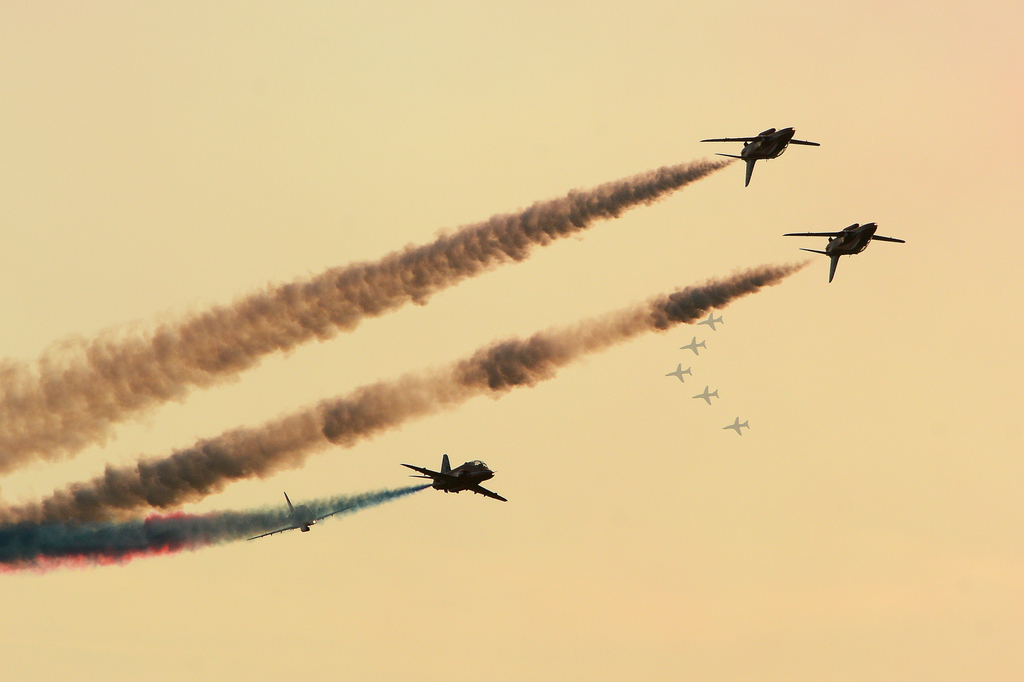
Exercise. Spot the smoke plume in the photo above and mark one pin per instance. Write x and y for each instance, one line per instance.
(191, 474)
(77, 390)
(27, 545)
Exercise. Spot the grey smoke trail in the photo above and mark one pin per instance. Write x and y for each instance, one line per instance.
(75, 393)
(207, 467)
(29, 545)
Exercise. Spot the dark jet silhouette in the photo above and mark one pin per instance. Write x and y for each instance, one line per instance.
(765, 145)
(466, 476)
(847, 242)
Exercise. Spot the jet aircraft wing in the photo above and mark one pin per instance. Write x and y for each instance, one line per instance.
(484, 491)
(336, 511)
(731, 139)
(812, 234)
(273, 532)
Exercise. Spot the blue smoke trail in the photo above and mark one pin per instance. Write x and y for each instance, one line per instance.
(41, 546)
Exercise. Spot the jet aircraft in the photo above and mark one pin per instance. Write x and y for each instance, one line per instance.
(708, 396)
(768, 144)
(693, 345)
(302, 518)
(736, 425)
(847, 242)
(711, 321)
(466, 476)
(680, 372)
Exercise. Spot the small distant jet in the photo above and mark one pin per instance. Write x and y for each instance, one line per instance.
(302, 518)
(847, 242)
(736, 425)
(768, 144)
(711, 321)
(693, 345)
(708, 396)
(680, 372)
(466, 476)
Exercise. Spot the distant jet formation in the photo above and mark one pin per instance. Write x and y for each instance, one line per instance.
(711, 321)
(680, 372)
(765, 145)
(708, 396)
(466, 476)
(693, 345)
(851, 240)
(736, 425)
(302, 518)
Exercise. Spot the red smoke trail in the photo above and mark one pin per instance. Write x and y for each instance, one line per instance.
(207, 467)
(47, 564)
(77, 391)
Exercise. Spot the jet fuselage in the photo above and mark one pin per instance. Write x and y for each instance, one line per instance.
(846, 242)
(853, 239)
(468, 475)
(304, 518)
(769, 145)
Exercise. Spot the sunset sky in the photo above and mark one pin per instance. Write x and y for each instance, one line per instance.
(159, 160)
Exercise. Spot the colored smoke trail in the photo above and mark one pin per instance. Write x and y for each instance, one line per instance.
(74, 393)
(191, 474)
(27, 545)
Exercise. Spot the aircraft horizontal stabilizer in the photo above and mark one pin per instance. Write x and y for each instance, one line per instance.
(423, 473)
(731, 156)
(809, 144)
(815, 251)
(887, 239)
(433, 475)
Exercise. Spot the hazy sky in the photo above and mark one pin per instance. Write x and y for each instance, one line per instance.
(159, 160)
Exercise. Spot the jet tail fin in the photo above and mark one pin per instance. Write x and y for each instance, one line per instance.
(446, 467)
(832, 267)
(290, 507)
(750, 170)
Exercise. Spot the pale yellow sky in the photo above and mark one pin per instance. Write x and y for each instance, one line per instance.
(157, 161)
